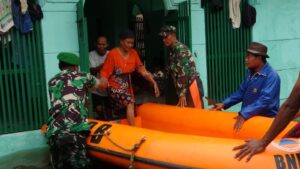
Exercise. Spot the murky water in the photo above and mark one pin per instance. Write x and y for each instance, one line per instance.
(39, 159)
(29, 159)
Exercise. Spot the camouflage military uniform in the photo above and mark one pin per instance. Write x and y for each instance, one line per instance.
(67, 124)
(183, 70)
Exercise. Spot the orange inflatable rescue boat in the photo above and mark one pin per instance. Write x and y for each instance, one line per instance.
(173, 137)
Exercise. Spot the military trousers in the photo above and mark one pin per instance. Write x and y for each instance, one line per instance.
(68, 151)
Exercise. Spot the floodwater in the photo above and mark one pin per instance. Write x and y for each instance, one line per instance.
(39, 159)
(28, 159)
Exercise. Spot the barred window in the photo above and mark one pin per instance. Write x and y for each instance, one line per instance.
(23, 98)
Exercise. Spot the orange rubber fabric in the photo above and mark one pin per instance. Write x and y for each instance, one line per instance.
(171, 150)
(194, 90)
(202, 122)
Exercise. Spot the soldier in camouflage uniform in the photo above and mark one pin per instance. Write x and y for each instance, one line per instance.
(67, 125)
(181, 67)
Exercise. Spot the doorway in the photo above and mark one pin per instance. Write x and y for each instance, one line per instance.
(144, 17)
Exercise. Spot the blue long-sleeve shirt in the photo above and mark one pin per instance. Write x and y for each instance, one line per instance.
(259, 94)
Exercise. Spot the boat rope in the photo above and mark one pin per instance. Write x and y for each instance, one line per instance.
(131, 150)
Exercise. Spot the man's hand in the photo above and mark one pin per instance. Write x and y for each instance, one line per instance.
(182, 101)
(156, 89)
(298, 114)
(103, 83)
(218, 106)
(44, 129)
(238, 123)
(250, 148)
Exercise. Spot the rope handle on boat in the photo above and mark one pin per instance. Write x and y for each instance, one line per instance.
(131, 150)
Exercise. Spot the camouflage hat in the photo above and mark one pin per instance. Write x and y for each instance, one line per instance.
(166, 30)
(69, 58)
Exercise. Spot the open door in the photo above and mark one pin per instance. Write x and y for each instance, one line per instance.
(83, 47)
(181, 19)
(82, 37)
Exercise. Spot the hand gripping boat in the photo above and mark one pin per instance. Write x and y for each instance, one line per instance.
(174, 137)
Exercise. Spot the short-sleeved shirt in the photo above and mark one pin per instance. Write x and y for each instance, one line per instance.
(182, 67)
(96, 59)
(68, 92)
(117, 70)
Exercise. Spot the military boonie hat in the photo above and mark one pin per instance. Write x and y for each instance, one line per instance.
(258, 49)
(166, 30)
(69, 58)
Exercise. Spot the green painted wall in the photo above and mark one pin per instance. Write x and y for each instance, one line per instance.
(198, 41)
(278, 26)
(59, 31)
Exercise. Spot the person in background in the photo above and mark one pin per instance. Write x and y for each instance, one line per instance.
(285, 114)
(101, 103)
(68, 125)
(259, 92)
(97, 57)
(182, 69)
(116, 72)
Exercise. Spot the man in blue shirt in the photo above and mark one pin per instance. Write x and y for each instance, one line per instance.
(259, 92)
(287, 112)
